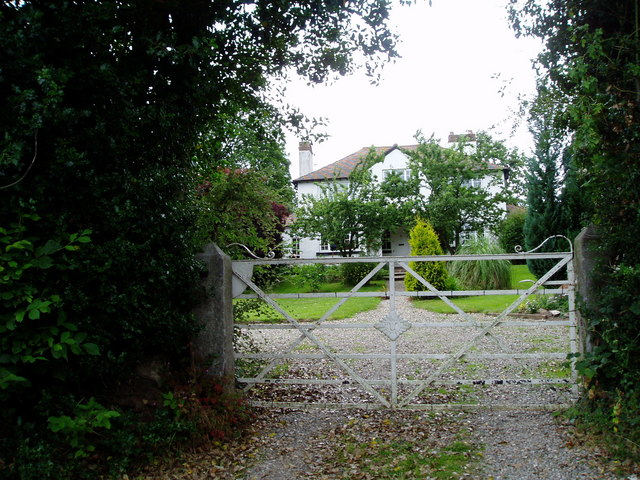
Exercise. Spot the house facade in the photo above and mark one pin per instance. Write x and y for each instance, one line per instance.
(395, 161)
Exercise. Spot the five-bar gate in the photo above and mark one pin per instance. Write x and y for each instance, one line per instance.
(399, 356)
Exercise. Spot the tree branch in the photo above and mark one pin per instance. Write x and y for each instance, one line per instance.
(33, 160)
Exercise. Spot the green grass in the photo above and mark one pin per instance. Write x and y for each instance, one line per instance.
(553, 369)
(482, 304)
(407, 460)
(309, 309)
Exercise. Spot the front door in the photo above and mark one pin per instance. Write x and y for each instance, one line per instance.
(399, 241)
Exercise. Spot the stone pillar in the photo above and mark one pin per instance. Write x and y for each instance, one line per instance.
(213, 347)
(586, 258)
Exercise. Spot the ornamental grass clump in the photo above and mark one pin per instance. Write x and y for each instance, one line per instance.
(481, 274)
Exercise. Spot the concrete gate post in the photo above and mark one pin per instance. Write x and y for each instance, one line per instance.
(586, 258)
(214, 310)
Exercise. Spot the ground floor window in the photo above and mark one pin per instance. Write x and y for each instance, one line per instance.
(386, 242)
(325, 245)
(295, 247)
(328, 246)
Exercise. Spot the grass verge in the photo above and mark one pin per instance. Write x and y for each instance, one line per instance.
(482, 304)
(310, 309)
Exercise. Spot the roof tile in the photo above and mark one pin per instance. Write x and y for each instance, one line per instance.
(344, 167)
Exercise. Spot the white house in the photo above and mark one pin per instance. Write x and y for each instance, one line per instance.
(395, 161)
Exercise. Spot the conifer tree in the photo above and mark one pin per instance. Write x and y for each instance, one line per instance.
(544, 214)
(424, 241)
(556, 203)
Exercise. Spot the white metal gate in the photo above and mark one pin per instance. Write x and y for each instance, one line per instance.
(456, 361)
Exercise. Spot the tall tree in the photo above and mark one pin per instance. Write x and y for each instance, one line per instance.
(591, 62)
(544, 187)
(556, 203)
(103, 107)
(453, 200)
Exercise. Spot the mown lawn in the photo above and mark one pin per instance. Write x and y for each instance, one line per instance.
(483, 304)
(308, 309)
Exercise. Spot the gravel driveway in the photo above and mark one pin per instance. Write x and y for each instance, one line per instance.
(515, 444)
(471, 380)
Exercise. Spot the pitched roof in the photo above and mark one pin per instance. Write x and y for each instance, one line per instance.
(344, 167)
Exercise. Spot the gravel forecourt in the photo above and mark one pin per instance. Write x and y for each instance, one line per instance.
(514, 444)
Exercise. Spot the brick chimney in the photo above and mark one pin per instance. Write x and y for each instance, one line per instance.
(305, 158)
(469, 136)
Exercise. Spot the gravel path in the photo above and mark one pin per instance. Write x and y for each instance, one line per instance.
(517, 444)
(435, 340)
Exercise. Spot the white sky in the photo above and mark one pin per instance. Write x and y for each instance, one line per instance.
(444, 82)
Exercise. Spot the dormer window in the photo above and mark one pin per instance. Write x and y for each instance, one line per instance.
(403, 173)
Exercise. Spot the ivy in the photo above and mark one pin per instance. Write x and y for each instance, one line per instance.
(89, 418)
(34, 328)
(589, 66)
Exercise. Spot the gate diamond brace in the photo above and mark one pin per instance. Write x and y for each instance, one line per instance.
(393, 325)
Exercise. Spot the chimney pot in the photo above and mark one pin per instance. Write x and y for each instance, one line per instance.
(305, 146)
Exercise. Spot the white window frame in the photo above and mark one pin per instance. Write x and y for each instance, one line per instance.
(403, 173)
(473, 183)
(295, 247)
(325, 246)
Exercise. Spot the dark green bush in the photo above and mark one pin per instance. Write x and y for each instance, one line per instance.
(311, 275)
(353, 273)
(511, 231)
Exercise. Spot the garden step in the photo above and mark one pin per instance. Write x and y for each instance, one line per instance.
(399, 273)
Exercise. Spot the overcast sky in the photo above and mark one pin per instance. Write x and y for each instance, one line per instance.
(461, 69)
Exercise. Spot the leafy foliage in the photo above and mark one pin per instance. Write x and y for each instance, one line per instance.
(590, 65)
(311, 275)
(424, 241)
(453, 205)
(237, 206)
(511, 230)
(354, 273)
(481, 274)
(88, 418)
(36, 337)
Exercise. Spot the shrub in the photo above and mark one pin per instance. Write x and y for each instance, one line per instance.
(482, 274)
(312, 275)
(353, 273)
(511, 231)
(545, 302)
(424, 241)
(452, 284)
